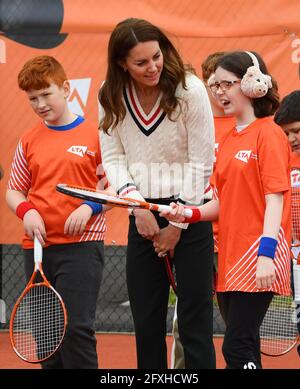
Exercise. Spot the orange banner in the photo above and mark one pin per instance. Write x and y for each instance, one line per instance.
(78, 34)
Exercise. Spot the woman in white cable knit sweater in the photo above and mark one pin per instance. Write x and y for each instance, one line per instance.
(157, 141)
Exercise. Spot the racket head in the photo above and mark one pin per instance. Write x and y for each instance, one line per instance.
(37, 333)
(295, 204)
(279, 331)
(89, 194)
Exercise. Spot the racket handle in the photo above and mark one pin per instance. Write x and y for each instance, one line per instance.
(191, 214)
(38, 250)
(188, 212)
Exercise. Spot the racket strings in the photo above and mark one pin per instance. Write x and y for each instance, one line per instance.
(97, 196)
(279, 332)
(295, 210)
(38, 324)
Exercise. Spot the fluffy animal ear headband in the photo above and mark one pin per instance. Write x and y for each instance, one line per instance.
(254, 83)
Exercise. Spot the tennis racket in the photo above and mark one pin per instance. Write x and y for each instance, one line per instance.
(115, 201)
(295, 181)
(171, 273)
(38, 321)
(170, 269)
(279, 330)
(295, 206)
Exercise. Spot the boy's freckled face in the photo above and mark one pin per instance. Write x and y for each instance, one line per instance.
(292, 131)
(49, 103)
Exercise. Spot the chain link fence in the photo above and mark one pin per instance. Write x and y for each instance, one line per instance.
(113, 309)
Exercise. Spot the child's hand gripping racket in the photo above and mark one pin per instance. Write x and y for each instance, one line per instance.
(38, 321)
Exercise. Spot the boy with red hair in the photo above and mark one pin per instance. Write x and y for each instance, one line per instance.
(62, 147)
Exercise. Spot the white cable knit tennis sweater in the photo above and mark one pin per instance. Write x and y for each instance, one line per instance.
(150, 156)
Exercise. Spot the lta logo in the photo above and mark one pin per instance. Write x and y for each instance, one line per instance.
(79, 94)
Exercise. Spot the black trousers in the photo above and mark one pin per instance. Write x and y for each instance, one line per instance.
(148, 290)
(75, 271)
(243, 314)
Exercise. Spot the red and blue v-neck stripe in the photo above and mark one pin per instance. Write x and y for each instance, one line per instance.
(146, 123)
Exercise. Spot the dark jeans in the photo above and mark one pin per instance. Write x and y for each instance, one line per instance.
(148, 290)
(75, 271)
(243, 314)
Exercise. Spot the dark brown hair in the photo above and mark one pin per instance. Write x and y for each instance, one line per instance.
(238, 62)
(126, 35)
(39, 72)
(289, 109)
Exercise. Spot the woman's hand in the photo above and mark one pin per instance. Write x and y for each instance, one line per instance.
(265, 272)
(146, 223)
(167, 240)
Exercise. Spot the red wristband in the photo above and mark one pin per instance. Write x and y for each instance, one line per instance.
(22, 208)
(196, 216)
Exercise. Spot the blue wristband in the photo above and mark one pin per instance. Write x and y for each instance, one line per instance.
(96, 208)
(267, 247)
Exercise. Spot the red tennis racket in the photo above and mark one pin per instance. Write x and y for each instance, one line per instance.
(38, 321)
(170, 269)
(279, 331)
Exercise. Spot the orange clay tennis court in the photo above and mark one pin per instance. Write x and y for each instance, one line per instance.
(117, 351)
